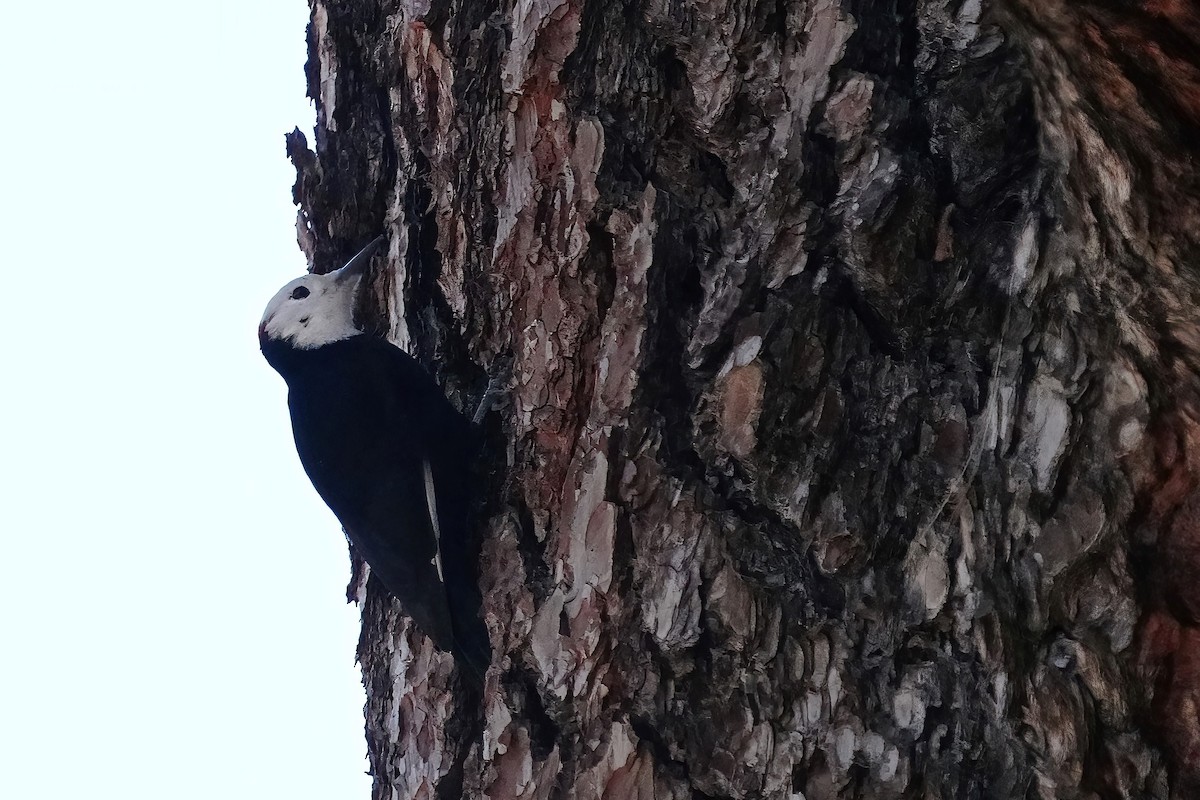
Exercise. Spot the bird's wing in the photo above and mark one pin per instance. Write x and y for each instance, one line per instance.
(448, 446)
(394, 529)
(397, 538)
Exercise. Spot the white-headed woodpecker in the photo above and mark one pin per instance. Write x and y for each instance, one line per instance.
(386, 451)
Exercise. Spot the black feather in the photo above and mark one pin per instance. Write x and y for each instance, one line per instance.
(366, 418)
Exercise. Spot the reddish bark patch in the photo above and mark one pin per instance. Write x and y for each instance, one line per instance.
(1169, 634)
(1170, 656)
(741, 404)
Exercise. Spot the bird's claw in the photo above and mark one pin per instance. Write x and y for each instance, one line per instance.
(496, 386)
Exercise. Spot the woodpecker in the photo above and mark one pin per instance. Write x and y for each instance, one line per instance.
(386, 451)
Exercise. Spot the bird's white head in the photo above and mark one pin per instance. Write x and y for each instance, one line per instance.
(315, 310)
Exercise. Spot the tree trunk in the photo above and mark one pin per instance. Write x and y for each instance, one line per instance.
(852, 445)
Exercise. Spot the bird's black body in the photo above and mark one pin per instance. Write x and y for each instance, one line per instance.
(369, 422)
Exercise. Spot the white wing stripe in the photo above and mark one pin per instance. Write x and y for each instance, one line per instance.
(431, 506)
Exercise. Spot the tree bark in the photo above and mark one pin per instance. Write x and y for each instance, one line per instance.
(851, 443)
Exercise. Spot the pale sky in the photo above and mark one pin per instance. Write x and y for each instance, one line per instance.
(172, 621)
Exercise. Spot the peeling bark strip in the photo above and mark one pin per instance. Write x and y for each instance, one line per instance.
(854, 438)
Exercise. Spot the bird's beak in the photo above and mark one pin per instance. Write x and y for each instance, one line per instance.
(356, 266)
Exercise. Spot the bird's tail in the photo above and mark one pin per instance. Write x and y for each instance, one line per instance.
(472, 647)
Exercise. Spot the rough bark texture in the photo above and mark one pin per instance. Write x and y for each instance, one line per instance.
(852, 446)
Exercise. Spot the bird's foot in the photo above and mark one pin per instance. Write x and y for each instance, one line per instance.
(495, 388)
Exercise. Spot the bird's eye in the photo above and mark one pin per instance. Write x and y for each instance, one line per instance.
(299, 292)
